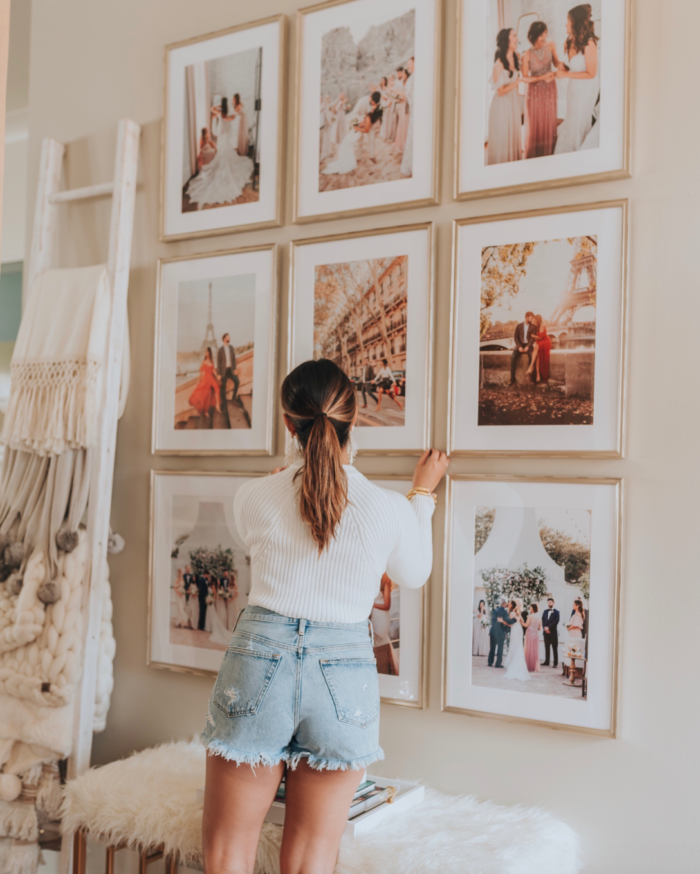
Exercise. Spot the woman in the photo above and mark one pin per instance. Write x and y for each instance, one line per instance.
(540, 64)
(578, 617)
(581, 49)
(480, 633)
(540, 352)
(386, 383)
(327, 128)
(409, 82)
(341, 122)
(239, 110)
(300, 666)
(207, 149)
(222, 180)
(383, 650)
(221, 601)
(193, 605)
(232, 605)
(516, 668)
(532, 639)
(389, 107)
(206, 394)
(209, 600)
(218, 628)
(505, 121)
(401, 110)
(182, 619)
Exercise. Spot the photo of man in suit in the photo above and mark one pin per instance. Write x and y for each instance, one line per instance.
(550, 624)
(226, 368)
(524, 336)
(187, 579)
(497, 634)
(203, 591)
(367, 381)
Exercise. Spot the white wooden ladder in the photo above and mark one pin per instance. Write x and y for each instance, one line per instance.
(48, 199)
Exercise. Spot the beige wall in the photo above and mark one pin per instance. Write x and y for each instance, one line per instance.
(633, 800)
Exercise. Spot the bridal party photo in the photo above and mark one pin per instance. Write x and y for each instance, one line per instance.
(366, 121)
(531, 595)
(543, 93)
(538, 332)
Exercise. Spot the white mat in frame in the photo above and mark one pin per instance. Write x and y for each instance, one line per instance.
(608, 222)
(176, 504)
(261, 263)
(602, 498)
(422, 188)
(270, 36)
(610, 159)
(409, 687)
(414, 243)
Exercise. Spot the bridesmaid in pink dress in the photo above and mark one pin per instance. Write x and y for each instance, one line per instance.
(532, 639)
(540, 65)
(242, 145)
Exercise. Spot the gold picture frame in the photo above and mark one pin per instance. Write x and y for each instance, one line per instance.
(624, 172)
(278, 219)
(434, 198)
(272, 358)
(615, 482)
(296, 245)
(422, 702)
(155, 474)
(621, 386)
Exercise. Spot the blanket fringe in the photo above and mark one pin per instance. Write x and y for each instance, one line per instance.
(18, 820)
(23, 858)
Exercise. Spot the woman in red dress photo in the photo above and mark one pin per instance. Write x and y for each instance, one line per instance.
(540, 352)
(206, 394)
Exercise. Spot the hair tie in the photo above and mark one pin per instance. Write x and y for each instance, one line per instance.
(318, 416)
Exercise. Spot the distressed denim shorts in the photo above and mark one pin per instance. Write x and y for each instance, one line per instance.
(290, 689)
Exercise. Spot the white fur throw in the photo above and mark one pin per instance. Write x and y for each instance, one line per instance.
(151, 799)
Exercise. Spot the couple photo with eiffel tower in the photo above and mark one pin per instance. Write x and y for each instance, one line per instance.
(215, 363)
(538, 332)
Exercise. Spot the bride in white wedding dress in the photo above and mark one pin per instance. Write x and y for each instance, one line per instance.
(345, 161)
(515, 662)
(225, 177)
(219, 632)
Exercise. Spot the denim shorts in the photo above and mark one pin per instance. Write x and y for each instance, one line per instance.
(290, 689)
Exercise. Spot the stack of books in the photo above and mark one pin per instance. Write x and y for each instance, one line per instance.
(367, 796)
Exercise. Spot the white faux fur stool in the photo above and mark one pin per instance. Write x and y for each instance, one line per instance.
(149, 802)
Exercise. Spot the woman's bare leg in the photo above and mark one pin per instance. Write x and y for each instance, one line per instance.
(395, 400)
(535, 356)
(317, 805)
(380, 392)
(236, 799)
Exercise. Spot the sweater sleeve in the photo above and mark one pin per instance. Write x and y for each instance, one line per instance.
(411, 559)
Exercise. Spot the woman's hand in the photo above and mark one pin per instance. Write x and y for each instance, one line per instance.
(430, 469)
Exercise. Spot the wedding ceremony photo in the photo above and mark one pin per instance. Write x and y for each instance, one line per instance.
(360, 322)
(367, 111)
(537, 343)
(544, 94)
(531, 595)
(527, 561)
(222, 137)
(200, 569)
(215, 353)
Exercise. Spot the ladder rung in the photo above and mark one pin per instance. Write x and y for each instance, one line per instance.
(83, 193)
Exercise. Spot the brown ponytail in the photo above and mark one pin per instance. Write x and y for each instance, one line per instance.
(319, 400)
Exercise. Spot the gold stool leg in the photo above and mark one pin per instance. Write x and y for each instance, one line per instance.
(109, 860)
(79, 852)
(171, 864)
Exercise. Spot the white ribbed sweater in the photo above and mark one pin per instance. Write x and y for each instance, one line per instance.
(379, 531)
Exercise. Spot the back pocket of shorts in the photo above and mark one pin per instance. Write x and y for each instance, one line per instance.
(243, 680)
(354, 687)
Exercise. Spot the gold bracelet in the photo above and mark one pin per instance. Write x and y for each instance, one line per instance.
(419, 490)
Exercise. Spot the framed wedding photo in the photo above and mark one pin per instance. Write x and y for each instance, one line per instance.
(216, 343)
(400, 627)
(532, 600)
(223, 131)
(538, 343)
(200, 574)
(365, 300)
(367, 107)
(543, 94)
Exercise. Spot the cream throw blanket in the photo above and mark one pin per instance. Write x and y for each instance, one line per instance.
(57, 365)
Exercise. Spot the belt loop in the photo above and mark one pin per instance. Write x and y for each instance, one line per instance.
(238, 619)
(371, 631)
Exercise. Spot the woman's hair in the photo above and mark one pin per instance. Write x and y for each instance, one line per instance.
(383, 81)
(208, 354)
(204, 133)
(502, 41)
(319, 400)
(386, 361)
(224, 106)
(534, 608)
(578, 605)
(482, 602)
(537, 28)
(538, 321)
(236, 99)
(582, 28)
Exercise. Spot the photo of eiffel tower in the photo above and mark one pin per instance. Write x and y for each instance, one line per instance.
(209, 334)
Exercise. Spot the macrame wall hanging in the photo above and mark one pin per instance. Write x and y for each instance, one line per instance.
(50, 433)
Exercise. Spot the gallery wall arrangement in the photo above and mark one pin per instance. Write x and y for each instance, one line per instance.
(538, 301)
